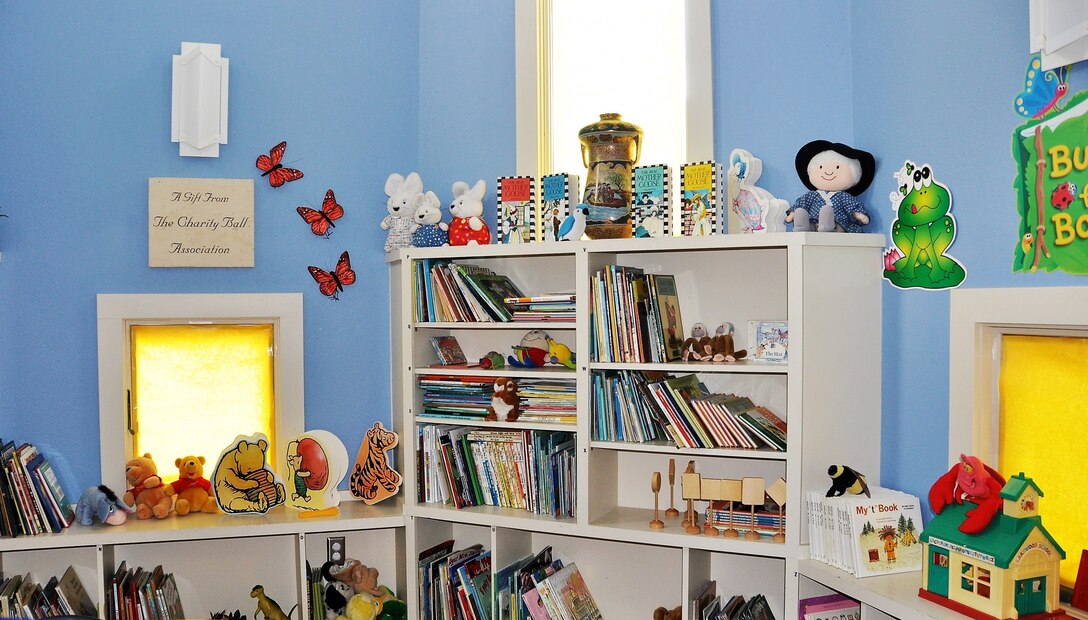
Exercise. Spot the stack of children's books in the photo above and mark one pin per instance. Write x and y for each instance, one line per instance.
(709, 605)
(829, 607)
(23, 597)
(31, 498)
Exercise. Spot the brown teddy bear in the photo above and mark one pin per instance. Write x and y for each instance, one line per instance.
(664, 614)
(241, 481)
(192, 489)
(359, 576)
(146, 491)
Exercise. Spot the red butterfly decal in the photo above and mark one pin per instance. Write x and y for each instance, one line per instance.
(274, 170)
(321, 221)
(332, 283)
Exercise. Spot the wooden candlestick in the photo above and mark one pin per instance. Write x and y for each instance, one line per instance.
(672, 512)
(655, 485)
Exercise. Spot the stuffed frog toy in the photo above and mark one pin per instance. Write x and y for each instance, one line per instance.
(922, 231)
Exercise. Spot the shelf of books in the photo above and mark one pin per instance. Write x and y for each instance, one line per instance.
(717, 376)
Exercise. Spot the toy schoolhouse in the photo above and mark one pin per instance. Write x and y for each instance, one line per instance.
(1009, 570)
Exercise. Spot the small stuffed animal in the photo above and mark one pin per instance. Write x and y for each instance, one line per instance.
(723, 346)
(146, 491)
(402, 192)
(846, 480)
(664, 614)
(559, 353)
(359, 576)
(533, 351)
(193, 490)
(493, 360)
(574, 226)
(428, 229)
(759, 211)
(468, 226)
(335, 593)
(504, 400)
(697, 346)
(835, 175)
(102, 503)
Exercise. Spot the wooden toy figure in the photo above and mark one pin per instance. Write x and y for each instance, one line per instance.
(672, 512)
(655, 486)
(710, 489)
(731, 491)
(752, 491)
(690, 488)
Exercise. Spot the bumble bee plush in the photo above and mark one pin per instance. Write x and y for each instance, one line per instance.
(846, 480)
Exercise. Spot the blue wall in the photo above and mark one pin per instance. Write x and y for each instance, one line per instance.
(360, 89)
(85, 121)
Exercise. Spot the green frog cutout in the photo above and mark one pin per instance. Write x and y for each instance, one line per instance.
(921, 232)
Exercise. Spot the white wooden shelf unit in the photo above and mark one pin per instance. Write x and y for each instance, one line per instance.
(828, 286)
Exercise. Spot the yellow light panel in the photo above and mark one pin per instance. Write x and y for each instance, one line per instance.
(196, 387)
(1044, 429)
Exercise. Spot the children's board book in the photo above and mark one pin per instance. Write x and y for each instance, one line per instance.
(884, 532)
(651, 199)
(700, 199)
(516, 205)
(448, 350)
(768, 340)
(668, 305)
(555, 202)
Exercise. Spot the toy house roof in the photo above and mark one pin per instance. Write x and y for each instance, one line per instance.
(1002, 539)
(1016, 486)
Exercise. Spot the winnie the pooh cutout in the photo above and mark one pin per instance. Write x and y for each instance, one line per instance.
(372, 478)
(243, 481)
(316, 463)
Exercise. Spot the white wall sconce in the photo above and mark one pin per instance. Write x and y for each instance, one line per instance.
(198, 113)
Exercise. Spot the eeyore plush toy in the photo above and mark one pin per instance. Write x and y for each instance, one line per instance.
(103, 503)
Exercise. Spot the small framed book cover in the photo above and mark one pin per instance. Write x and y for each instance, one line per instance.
(700, 200)
(515, 218)
(448, 350)
(555, 201)
(651, 199)
(768, 340)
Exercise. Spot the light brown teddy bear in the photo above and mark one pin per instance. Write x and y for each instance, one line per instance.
(664, 614)
(241, 481)
(146, 491)
(193, 490)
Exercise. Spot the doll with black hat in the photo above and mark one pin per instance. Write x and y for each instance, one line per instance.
(835, 174)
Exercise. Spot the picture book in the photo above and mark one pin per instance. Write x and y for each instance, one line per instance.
(492, 289)
(448, 350)
(884, 532)
(555, 202)
(651, 200)
(571, 594)
(515, 218)
(700, 210)
(828, 607)
(768, 340)
(668, 305)
(765, 425)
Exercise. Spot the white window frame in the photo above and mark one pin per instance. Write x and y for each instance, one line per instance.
(978, 320)
(116, 313)
(532, 36)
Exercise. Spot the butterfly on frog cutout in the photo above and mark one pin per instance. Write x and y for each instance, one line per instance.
(1042, 89)
(332, 283)
(322, 221)
(275, 171)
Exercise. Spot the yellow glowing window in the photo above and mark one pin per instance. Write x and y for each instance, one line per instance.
(196, 387)
(1044, 428)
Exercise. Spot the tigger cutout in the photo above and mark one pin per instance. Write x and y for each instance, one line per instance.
(372, 480)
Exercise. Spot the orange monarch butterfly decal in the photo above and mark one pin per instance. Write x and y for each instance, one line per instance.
(321, 221)
(272, 168)
(331, 283)
(372, 480)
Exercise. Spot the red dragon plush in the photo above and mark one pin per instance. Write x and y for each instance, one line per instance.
(974, 481)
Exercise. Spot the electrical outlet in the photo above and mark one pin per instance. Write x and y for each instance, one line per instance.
(337, 549)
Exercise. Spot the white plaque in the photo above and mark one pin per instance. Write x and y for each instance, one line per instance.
(199, 222)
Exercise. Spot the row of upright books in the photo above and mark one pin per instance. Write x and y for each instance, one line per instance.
(866, 535)
(455, 584)
(32, 500)
(141, 594)
(530, 470)
(635, 316)
(641, 406)
(445, 291)
(708, 604)
(21, 596)
(460, 397)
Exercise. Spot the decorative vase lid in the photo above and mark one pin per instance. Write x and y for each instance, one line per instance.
(610, 127)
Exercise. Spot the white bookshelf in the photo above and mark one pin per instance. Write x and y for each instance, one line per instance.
(828, 286)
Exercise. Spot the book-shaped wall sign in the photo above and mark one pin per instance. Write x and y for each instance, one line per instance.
(516, 210)
(316, 463)
(372, 477)
(700, 210)
(555, 196)
(651, 199)
(243, 480)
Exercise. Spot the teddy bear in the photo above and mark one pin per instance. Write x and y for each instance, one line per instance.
(402, 192)
(428, 229)
(664, 614)
(193, 491)
(759, 211)
(835, 175)
(241, 481)
(468, 226)
(146, 491)
(505, 401)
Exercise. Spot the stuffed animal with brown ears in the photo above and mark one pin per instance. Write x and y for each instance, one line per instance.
(504, 400)
(664, 614)
(723, 346)
(698, 345)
